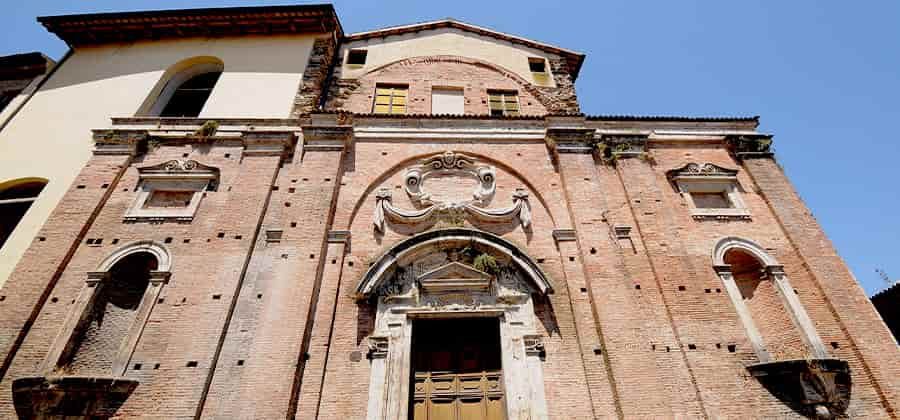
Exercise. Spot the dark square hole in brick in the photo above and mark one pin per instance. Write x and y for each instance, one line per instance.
(718, 290)
(168, 240)
(653, 347)
(668, 349)
(682, 288)
(383, 153)
(41, 239)
(334, 261)
(540, 260)
(692, 347)
(54, 300)
(184, 154)
(156, 366)
(220, 235)
(571, 259)
(138, 366)
(835, 345)
(327, 179)
(796, 292)
(217, 297)
(349, 263)
(89, 241)
(732, 348)
(98, 241)
(227, 155)
(707, 290)
(284, 256)
(160, 300)
(718, 345)
(593, 251)
(287, 203)
(115, 241)
(311, 256)
(2, 298)
(292, 190)
(274, 188)
(80, 187)
(192, 363)
(240, 362)
(637, 287)
(294, 181)
(238, 236)
(259, 295)
(293, 224)
(584, 290)
(187, 240)
(598, 351)
(104, 186)
(305, 179)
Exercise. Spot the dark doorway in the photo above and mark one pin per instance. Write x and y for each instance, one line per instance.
(456, 370)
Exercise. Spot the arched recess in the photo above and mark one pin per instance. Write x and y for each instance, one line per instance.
(765, 301)
(16, 197)
(203, 70)
(123, 292)
(454, 274)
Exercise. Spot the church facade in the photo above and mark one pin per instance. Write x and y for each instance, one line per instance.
(274, 219)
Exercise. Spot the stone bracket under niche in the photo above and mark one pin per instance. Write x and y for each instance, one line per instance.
(818, 388)
(70, 396)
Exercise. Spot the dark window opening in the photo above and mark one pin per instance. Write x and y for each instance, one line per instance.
(189, 98)
(7, 97)
(14, 203)
(357, 57)
(537, 65)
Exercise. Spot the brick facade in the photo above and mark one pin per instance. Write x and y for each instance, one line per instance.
(260, 314)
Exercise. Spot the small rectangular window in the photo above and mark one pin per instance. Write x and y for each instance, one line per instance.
(711, 200)
(537, 65)
(447, 101)
(503, 103)
(357, 57)
(390, 99)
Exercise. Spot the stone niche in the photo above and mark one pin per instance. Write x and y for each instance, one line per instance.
(70, 396)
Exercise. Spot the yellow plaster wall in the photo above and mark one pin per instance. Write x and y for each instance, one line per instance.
(51, 136)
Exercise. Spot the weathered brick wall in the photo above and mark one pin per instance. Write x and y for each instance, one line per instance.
(310, 92)
(423, 73)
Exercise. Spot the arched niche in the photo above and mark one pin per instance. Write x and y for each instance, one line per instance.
(445, 275)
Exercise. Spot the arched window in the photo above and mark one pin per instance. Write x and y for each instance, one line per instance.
(186, 87)
(15, 200)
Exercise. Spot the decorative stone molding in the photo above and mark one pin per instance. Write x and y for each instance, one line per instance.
(622, 231)
(267, 143)
(378, 347)
(177, 178)
(564, 235)
(454, 276)
(571, 139)
(327, 132)
(708, 178)
(750, 146)
(449, 164)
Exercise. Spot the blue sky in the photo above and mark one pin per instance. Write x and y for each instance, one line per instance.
(823, 75)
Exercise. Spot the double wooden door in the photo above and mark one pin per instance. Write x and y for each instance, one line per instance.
(456, 372)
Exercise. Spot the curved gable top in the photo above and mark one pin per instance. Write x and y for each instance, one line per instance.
(376, 273)
(573, 59)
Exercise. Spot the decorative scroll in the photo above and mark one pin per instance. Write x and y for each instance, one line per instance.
(449, 163)
(702, 170)
(520, 209)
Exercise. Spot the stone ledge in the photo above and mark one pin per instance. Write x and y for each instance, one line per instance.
(818, 388)
(80, 396)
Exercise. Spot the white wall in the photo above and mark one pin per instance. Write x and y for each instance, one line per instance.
(51, 136)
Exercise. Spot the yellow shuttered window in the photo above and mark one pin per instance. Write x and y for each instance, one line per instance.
(390, 99)
(503, 102)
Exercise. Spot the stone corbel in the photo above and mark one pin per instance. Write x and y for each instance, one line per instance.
(267, 143)
(119, 142)
(520, 209)
(612, 147)
(327, 132)
(751, 146)
(564, 235)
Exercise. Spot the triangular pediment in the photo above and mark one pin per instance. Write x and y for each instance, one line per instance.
(454, 276)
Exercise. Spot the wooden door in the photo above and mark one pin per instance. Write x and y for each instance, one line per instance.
(456, 370)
